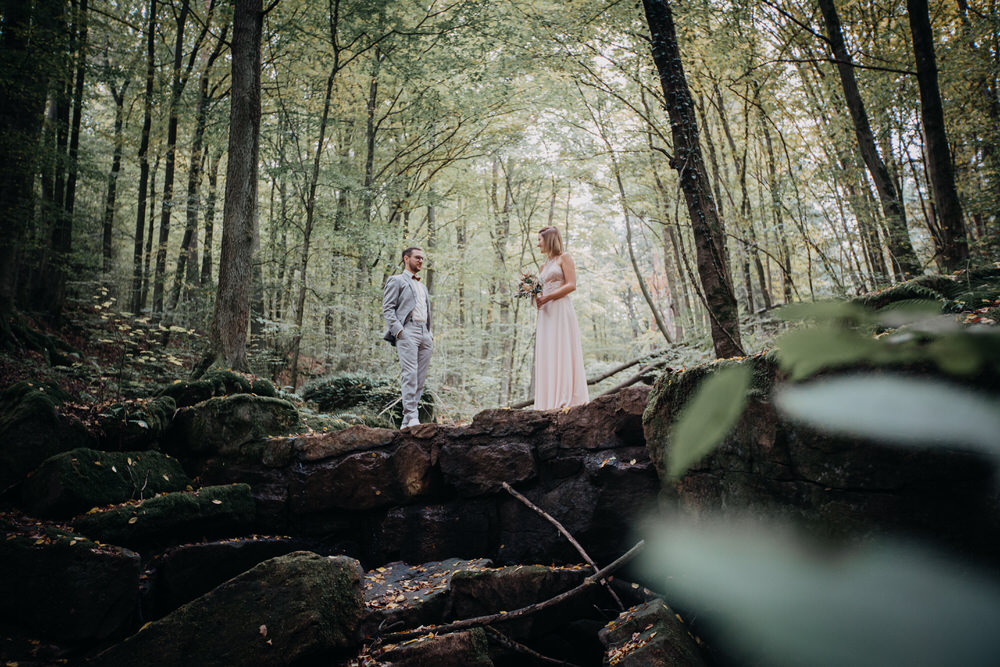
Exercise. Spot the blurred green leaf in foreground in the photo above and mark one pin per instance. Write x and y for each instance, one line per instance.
(778, 600)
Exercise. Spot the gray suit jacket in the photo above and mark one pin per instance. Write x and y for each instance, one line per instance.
(398, 302)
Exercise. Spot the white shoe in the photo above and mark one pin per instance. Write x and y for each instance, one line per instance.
(412, 422)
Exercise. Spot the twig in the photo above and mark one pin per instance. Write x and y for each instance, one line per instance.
(594, 380)
(506, 641)
(635, 378)
(523, 611)
(565, 533)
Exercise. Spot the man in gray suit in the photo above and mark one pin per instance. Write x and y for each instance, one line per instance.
(407, 310)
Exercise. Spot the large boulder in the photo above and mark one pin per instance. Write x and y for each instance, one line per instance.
(135, 425)
(74, 482)
(61, 586)
(223, 425)
(398, 595)
(296, 609)
(468, 648)
(213, 511)
(188, 571)
(839, 486)
(215, 382)
(650, 635)
(32, 429)
(505, 589)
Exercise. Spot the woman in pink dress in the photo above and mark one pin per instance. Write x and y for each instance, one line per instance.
(559, 376)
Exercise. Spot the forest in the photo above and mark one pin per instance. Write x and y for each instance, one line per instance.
(784, 217)
(832, 148)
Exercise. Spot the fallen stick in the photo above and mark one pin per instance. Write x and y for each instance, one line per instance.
(565, 533)
(523, 611)
(504, 640)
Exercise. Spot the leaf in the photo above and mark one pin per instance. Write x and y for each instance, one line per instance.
(787, 603)
(896, 409)
(216, 501)
(804, 352)
(133, 519)
(707, 417)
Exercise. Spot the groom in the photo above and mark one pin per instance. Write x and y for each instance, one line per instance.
(407, 310)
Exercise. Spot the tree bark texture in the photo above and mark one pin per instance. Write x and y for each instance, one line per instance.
(116, 166)
(687, 160)
(147, 122)
(953, 245)
(231, 318)
(900, 246)
(176, 87)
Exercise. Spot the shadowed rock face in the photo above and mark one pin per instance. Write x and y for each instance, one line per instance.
(435, 492)
(840, 487)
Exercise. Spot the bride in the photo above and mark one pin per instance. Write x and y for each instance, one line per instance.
(559, 375)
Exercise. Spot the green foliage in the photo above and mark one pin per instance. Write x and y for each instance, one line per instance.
(844, 338)
(708, 417)
(362, 398)
(778, 601)
(896, 408)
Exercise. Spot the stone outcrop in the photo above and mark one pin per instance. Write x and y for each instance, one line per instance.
(430, 492)
(32, 429)
(650, 635)
(135, 425)
(296, 609)
(223, 424)
(214, 511)
(188, 571)
(73, 482)
(467, 648)
(840, 487)
(63, 587)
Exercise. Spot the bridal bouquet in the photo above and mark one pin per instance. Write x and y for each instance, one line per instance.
(529, 287)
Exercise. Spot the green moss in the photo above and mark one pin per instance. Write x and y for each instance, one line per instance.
(210, 511)
(216, 382)
(75, 481)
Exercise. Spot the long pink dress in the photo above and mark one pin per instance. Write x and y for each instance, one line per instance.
(559, 375)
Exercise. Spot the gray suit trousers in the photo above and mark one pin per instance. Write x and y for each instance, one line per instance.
(414, 349)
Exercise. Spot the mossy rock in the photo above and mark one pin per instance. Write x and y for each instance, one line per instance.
(211, 512)
(299, 609)
(650, 634)
(76, 481)
(32, 429)
(64, 587)
(216, 382)
(135, 425)
(223, 425)
(362, 398)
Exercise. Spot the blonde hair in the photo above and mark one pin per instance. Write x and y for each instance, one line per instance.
(551, 241)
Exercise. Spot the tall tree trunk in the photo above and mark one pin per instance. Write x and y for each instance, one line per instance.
(776, 211)
(147, 256)
(213, 188)
(687, 160)
(310, 204)
(143, 155)
(25, 48)
(900, 246)
(231, 317)
(176, 87)
(110, 200)
(186, 275)
(954, 248)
